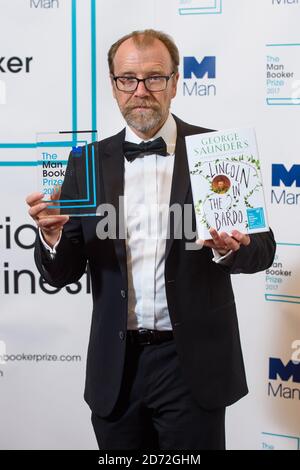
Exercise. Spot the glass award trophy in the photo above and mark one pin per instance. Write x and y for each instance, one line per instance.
(67, 171)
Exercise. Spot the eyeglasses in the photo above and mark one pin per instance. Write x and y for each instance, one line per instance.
(130, 84)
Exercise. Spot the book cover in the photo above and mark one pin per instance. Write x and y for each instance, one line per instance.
(226, 182)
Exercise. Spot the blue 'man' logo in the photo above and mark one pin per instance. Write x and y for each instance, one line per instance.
(277, 370)
(287, 177)
(206, 67)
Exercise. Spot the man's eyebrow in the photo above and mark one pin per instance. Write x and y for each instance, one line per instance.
(147, 74)
(156, 72)
(123, 74)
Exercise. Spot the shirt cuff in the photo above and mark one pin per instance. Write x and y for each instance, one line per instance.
(52, 251)
(221, 259)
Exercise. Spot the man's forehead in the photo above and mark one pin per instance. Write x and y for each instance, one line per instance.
(153, 54)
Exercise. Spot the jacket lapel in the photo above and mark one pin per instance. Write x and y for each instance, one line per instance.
(113, 183)
(179, 188)
(181, 183)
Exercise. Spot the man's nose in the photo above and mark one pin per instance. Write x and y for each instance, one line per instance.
(141, 90)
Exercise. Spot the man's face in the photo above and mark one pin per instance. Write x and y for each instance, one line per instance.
(143, 110)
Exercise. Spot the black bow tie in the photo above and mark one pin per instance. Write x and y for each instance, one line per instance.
(132, 151)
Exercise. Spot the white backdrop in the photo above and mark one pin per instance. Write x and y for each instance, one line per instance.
(63, 84)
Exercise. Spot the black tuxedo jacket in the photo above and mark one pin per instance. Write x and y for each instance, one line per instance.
(199, 292)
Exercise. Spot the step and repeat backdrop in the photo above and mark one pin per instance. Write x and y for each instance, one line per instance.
(240, 67)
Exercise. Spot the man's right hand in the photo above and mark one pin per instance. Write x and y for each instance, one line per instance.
(49, 220)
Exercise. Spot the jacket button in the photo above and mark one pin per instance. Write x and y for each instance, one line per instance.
(121, 335)
(123, 293)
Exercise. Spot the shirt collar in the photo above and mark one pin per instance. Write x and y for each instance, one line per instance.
(168, 132)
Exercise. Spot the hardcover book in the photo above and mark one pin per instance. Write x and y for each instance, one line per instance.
(226, 182)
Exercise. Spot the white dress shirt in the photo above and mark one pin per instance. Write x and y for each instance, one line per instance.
(147, 193)
(147, 190)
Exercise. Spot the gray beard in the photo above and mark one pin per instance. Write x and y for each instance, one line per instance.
(145, 122)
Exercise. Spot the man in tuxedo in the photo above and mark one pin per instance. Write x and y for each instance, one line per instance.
(164, 356)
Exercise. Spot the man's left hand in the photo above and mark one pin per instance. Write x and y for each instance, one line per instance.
(223, 242)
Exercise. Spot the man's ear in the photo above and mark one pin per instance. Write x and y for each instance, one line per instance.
(175, 83)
